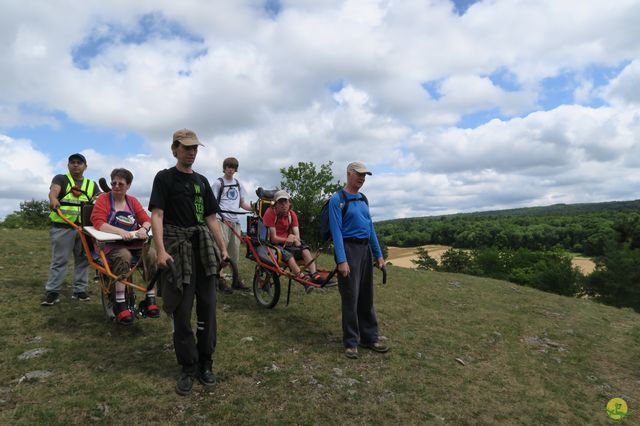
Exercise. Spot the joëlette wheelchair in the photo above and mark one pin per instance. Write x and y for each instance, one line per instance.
(268, 258)
(93, 243)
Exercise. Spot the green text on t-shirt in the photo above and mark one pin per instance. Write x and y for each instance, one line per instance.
(198, 203)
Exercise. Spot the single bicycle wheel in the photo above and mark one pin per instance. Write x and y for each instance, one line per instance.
(266, 287)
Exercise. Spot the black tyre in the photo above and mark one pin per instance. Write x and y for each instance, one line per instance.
(266, 287)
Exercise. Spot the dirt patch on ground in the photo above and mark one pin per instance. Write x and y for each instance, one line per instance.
(585, 265)
(402, 256)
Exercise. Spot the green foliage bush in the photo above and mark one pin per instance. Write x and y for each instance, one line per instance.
(424, 260)
(616, 280)
(33, 214)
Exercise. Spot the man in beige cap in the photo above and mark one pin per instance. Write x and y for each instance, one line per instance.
(354, 239)
(183, 218)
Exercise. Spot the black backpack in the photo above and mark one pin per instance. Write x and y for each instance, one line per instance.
(325, 231)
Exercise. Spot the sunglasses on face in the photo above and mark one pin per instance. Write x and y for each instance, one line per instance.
(118, 184)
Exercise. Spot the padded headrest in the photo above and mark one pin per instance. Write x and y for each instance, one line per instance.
(266, 194)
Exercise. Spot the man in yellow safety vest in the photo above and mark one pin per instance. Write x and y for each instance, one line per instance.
(68, 192)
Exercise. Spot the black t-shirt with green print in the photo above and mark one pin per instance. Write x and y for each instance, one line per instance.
(185, 198)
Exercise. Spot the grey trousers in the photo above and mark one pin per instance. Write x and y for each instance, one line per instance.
(65, 241)
(359, 322)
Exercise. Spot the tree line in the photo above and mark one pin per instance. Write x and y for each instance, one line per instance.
(542, 262)
(585, 229)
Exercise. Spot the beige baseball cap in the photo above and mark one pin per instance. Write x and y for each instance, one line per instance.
(186, 137)
(358, 167)
(282, 194)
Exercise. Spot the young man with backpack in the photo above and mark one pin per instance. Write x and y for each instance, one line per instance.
(354, 239)
(230, 194)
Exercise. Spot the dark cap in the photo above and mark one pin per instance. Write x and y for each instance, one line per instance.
(77, 156)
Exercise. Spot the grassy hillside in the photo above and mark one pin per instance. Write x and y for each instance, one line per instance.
(465, 350)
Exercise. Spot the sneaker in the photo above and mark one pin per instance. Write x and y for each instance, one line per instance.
(351, 353)
(206, 376)
(184, 384)
(376, 347)
(148, 307)
(123, 315)
(50, 299)
(81, 296)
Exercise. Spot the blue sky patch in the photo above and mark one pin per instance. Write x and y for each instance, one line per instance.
(471, 121)
(433, 89)
(461, 6)
(336, 86)
(272, 8)
(72, 137)
(105, 34)
(505, 79)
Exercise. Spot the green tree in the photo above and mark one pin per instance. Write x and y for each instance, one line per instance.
(32, 214)
(455, 260)
(309, 188)
(424, 261)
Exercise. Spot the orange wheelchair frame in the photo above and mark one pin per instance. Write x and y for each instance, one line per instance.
(105, 277)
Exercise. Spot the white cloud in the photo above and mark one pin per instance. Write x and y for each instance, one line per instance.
(336, 80)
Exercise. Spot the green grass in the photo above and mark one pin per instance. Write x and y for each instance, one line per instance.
(529, 357)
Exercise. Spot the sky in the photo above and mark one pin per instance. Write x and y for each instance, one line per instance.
(455, 106)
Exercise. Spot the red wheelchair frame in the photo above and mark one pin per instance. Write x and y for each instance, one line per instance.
(269, 267)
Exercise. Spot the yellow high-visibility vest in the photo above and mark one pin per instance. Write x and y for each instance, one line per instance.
(70, 204)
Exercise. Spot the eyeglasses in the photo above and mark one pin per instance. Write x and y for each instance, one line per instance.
(118, 184)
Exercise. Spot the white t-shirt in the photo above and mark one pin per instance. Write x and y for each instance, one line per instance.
(229, 200)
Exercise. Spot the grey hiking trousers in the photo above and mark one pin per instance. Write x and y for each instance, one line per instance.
(65, 241)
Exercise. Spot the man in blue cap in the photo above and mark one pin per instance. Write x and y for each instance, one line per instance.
(68, 192)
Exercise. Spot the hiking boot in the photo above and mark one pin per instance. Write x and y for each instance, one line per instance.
(375, 346)
(81, 296)
(184, 383)
(50, 299)
(351, 353)
(205, 375)
(123, 315)
(148, 307)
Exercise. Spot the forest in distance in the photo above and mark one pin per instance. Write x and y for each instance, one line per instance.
(534, 247)
(578, 228)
